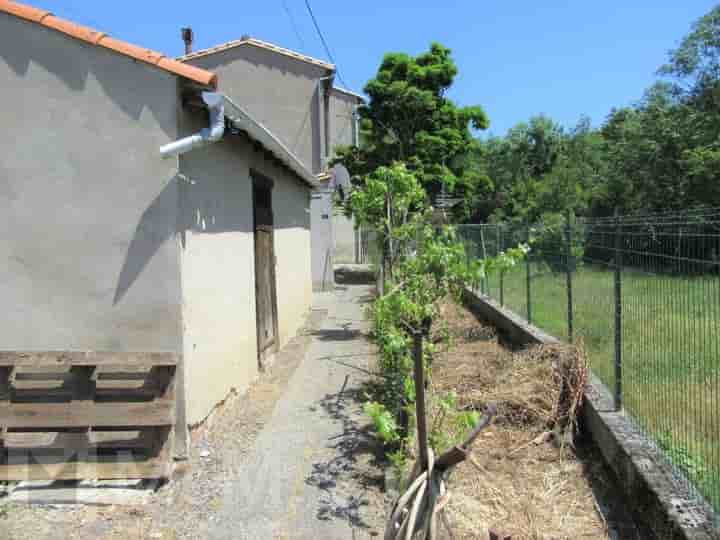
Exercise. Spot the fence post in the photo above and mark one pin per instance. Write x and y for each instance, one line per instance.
(356, 244)
(501, 292)
(569, 260)
(419, 377)
(618, 313)
(484, 287)
(528, 296)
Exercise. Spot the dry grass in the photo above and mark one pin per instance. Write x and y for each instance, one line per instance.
(525, 485)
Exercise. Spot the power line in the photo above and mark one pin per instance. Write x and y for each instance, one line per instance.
(293, 24)
(322, 38)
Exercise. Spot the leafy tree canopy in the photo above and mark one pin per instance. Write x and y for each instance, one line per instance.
(410, 119)
(696, 62)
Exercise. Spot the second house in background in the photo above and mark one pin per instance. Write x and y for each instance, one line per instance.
(293, 95)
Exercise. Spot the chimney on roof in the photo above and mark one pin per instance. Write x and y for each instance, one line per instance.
(187, 37)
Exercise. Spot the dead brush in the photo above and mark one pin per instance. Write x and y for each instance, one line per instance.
(570, 375)
(541, 386)
(512, 469)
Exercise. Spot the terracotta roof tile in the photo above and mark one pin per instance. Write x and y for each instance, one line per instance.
(101, 39)
(263, 45)
(26, 12)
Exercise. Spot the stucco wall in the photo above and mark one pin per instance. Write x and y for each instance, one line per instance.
(342, 133)
(291, 211)
(342, 122)
(218, 268)
(344, 239)
(88, 210)
(278, 91)
(217, 275)
(321, 212)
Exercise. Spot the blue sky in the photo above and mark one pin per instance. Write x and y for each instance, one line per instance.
(516, 58)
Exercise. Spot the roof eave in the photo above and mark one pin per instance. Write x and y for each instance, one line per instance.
(242, 121)
(342, 90)
(330, 68)
(101, 39)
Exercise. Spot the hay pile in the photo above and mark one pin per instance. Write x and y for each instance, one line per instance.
(540, 386)
(519, 480)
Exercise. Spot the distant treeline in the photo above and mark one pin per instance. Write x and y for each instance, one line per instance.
(661, 154)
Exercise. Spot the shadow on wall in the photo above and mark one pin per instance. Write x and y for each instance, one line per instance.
(73, 62)
(183, 205)
(157, 225)
(209, 205)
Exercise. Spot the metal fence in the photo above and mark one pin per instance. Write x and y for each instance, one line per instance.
(368, 249)
(643, 293)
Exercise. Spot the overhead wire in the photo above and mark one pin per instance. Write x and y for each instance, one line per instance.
(324, 42)
(293, 24)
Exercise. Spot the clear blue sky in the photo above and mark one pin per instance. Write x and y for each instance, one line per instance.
(516, 59)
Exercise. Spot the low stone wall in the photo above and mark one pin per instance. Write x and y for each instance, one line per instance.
(354, 274)
(662, 501)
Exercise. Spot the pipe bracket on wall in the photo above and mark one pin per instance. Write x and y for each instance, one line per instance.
(213, 133)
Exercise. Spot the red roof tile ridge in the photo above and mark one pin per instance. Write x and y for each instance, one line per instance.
(101, 39)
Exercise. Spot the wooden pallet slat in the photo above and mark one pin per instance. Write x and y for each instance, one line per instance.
(74, 470)
(92, 358)
(77, 415)
(80, 414)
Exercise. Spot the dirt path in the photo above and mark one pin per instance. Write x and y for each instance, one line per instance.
(300, 480)
(289, 459)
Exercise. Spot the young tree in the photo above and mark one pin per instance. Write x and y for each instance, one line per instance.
(386, 201)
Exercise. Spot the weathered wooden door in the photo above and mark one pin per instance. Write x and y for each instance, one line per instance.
(265, 297)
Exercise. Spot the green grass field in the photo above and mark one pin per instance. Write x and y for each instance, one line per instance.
(670, 351)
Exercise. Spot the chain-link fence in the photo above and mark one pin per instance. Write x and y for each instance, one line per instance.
(643, 293)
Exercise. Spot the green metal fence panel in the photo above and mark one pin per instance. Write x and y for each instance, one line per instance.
(642, 292)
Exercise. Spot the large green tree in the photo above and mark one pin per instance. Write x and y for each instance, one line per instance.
(410, 119)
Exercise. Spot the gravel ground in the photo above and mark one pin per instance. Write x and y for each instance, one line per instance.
(338, 492)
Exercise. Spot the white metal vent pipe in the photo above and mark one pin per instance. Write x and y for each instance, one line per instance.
(208, 135)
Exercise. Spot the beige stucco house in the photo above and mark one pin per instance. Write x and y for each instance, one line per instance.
(345, 132)
(294, 96)
(110, 248)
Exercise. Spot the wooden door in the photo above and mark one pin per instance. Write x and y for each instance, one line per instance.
(265, 298)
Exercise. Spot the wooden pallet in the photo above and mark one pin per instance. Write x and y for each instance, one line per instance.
(86, 415)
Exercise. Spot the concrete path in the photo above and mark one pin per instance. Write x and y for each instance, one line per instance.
(294, 482)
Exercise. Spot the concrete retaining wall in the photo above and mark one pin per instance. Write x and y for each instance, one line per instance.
(355, 274)
(662, 501)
